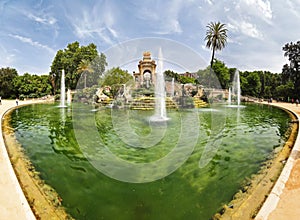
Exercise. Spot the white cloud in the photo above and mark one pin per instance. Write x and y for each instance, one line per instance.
(294, 7)
(48, 20)
(171, 26)
(262, 26)
(263, 7)
(232, 27)
(165, 17)
(32, 43)
(7, 59)
(250, 30)
(245, 28)
(210, 2)
(255, 9)
(95, 21)
(226, 9)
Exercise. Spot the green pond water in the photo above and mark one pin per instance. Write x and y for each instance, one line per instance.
(227, 145)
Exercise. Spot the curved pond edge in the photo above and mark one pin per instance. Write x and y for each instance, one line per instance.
(267, 165)
(16, 206)
(43, 200)
(273, 199)
(251, 198)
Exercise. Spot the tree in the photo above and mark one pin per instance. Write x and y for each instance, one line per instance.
(250, 83)
(222, 72)
(284, 92)
(292, 51)
(98, 65)
(216, 39)
(70, 58)
(286, 74)
(269, 81)
(32, 86)
(203, 76)
(115, 78)
(7, 89)
(85, 68)
(169, 74)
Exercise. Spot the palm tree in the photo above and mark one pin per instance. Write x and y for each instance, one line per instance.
(85, 68)
(216, 37)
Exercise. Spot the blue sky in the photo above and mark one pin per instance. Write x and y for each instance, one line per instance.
(32, 31)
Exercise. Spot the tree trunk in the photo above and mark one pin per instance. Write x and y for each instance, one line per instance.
(211, 64)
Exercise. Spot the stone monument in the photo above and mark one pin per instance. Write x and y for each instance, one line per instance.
(146, 75)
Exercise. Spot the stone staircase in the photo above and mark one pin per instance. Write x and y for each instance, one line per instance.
(199, 103)
(148, 103)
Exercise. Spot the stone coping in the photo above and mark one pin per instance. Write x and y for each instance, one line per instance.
(13, 203)
(274, 197)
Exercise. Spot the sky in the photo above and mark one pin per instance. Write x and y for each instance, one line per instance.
(31, 32)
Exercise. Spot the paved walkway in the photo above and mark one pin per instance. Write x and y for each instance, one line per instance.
(284, 200)
(13, 204)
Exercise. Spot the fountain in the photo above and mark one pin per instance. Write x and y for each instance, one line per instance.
(172, 88)
(62, 90)
(236, 87)
(69, 97)
(229, 96)
(235, 91)
(160, 93)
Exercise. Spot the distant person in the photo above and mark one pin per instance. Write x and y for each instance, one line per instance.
(17, 101)
(297, 102)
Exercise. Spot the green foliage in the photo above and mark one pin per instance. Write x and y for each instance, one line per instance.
(292, 71)
(86, 95)
(222, 72)
(203, 76)
(143, 92)
(221, 77)
(26, 86)
(186, 79)
(284, 91)
(250, 83)
(269, 83)
(32, 86)
(84, 68)
(115, 78)
(178, 77)
(7, 89)
(216, 37)
(73, 59)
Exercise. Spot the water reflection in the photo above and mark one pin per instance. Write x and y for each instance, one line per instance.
(244, 141)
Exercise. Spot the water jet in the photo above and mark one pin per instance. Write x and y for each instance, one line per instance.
(62, 90)
(160, 93)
